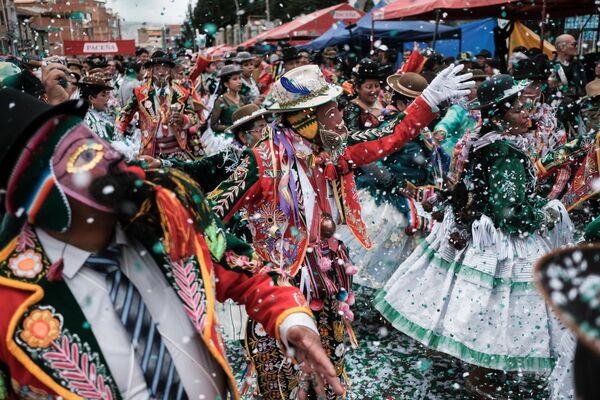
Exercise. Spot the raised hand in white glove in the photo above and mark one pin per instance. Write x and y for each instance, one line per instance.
(448, 84)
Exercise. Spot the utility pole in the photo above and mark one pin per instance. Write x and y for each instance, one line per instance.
(268, 10)
(239, 20)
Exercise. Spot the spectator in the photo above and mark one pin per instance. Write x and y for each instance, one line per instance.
(568, 74)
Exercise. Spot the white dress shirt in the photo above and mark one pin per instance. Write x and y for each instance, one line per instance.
(201, 375)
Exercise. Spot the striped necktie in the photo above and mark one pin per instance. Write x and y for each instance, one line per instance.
(154, 358)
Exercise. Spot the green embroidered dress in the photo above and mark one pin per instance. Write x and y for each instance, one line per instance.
(480, 304)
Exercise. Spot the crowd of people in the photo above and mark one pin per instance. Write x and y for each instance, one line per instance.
(138, 193)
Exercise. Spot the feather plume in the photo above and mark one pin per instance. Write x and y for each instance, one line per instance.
(294, 87)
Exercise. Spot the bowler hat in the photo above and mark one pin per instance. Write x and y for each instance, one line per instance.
(160, 57)
(497, 89)
(409, 84)
(246, 114)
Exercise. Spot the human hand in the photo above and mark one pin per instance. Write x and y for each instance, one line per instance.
(176, 119)
(56, 78)
(316, 368)
(151, 162)
(448, 84)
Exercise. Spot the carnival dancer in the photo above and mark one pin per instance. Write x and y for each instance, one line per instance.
(249, 91)
(365, 110)
(109, 294)
(296, 185)
(96, 93)
(468, 290)
(165, 112)
(393, 190)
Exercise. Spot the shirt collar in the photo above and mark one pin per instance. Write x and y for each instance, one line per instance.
(73, 257)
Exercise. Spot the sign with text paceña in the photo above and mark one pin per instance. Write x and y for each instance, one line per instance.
(346, 14)
(84, 47)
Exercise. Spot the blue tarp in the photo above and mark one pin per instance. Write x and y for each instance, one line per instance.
(389, 31)
(337, 34)
(476, 36)
(400, 30)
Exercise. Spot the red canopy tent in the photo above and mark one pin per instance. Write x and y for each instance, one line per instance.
(308, 27)
(477, 9)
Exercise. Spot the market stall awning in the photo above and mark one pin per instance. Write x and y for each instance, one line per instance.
(337, 34)
(476, 9)
(310, 26)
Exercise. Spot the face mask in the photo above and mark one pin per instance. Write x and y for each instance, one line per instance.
(304, 123)
(78, 160)
(332, 129)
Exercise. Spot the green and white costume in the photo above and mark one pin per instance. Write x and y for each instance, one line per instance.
(100, 124)
(480, 304)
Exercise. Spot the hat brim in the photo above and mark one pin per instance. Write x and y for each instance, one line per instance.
(519, 86)
(167, 61)
(332, 92)
(248, 118)
(99, 86)
(555, 280)
(394, 82)
(25, 129)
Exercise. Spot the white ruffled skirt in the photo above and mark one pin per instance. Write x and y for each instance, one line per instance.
(478, 304)
(391, 246)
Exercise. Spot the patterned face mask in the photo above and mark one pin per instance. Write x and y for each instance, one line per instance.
(332, 129)
(304, 123)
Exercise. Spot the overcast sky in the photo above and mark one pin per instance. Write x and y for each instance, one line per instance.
(155, 11)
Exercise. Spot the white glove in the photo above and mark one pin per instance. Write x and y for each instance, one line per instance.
(448, 84)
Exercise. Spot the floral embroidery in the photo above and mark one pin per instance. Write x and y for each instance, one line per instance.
(43, 335)
(27, 264)
(40, 329)
(189, 287)
(259, 330)
(241, 261)
(235, 185)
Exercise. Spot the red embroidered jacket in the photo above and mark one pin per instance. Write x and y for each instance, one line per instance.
(142, 102)
(253, 185)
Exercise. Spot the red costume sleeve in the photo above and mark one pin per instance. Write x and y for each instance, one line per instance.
(374, 144)
(265, 302)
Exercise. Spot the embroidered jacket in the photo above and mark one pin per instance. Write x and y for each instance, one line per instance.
(151, 115)
(47, 347)
(254, 184)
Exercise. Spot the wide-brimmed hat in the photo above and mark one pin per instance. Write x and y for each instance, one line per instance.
(244, 56)
(96, 61)
(569, 279)
(289, 53)
(497, 89)
(74, 62)
(246, 114)
(368, 69)
(159, 57)
(94, 81)
(527, 69)
(484, 53)
(592, 89)
(409, 84)
(22, 115)
(301, 88)
(229, 70)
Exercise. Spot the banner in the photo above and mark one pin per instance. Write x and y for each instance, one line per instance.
(83, 47)
(523, 36)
